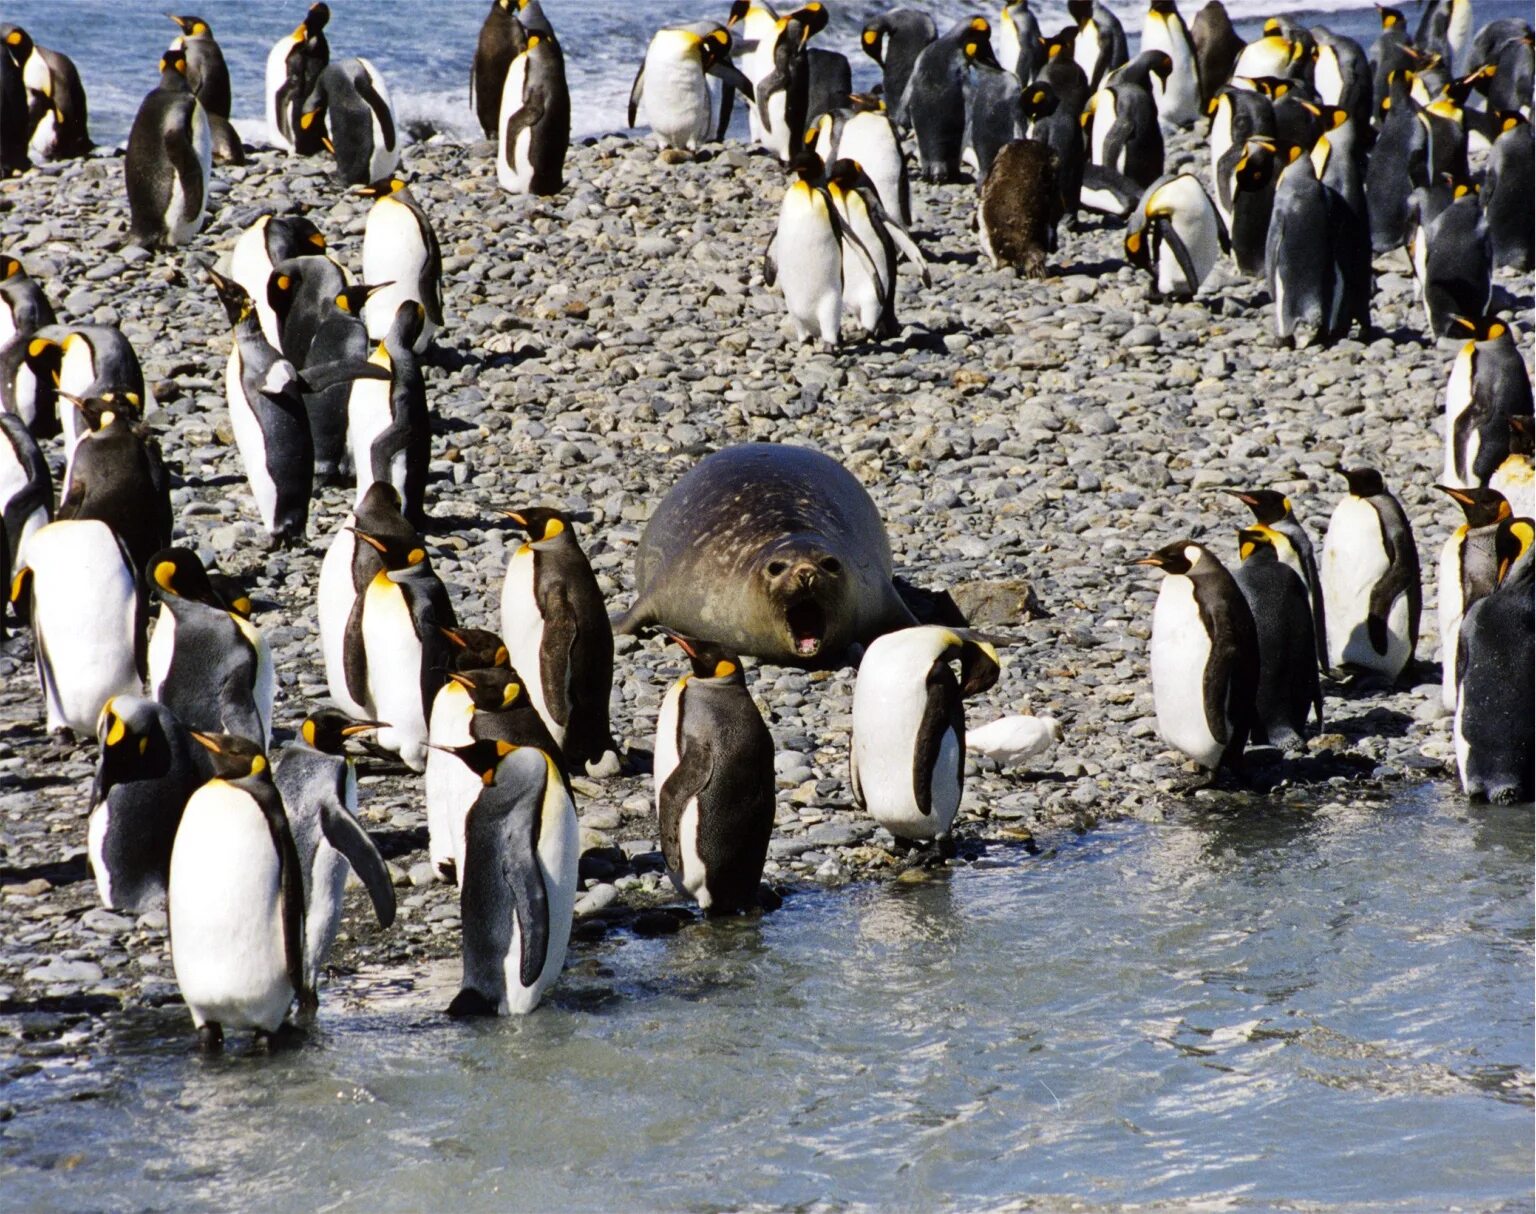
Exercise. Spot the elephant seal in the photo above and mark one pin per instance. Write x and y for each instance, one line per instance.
(773, 551)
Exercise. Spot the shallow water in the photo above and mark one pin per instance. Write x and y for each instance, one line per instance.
(1329, 1008)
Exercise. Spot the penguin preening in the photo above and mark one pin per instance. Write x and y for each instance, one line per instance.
(534, 128)
(208, 78)
(1205, 656)
(672, 88)
(1495, 726)
(1515, 478)
(1469, 569)
(1488, 385)
(1288, 687)
(98, 362)
(1176, 235)
(782, 96)
(714, 782)
(351, 103)
(294, 65)
(169, 161)
(907, 760)
(402, 257)
(236, 901)
(29, 372)
(1370, 576)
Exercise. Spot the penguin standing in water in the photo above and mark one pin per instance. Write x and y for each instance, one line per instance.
(1272, 510)
(1288, 685)
(26, 489)
(1495, 726)
(1100, 45)
(236, 904)
(1305, 281)
(169, 161)
(401, 255)
(714, 782)
(351, 102)
(388, 426)
(1205, 657)
(672, 88)
(518, 887)
(1488, 385)
(867, 136)
(1469, 568)
(534, 129)
(1453, 261)
(395, 656)
(1370, 575)
(1509, 192)
(294, 65)
(208, 78)
(87, 620)
(318, 787)
(557, 632)
(805, 255)
(894, 40)
(1176, 235)
(147, 770)
(869, 267)
(907, 760)
(115, 474)
(209, 665)
(269, 240)
(1177, 96)
(935, 96)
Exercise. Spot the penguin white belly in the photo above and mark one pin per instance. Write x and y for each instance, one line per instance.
(250, 441)
(888, 704)
(1354, 560)
(451, 788)
(761, 31)
(1085, 50)
(265, 689)
(83, 616)
(694, 873)
(182, 220)
(1462, 746)
(225, 912)
(1449, 610)
(277, 75)
(1007, 47)
(1327, 79)
(665, 757)
(1264, 57)
(1220, 141)
(322, 915)
(1198, 232)
(558, 853)
(162, 645)
(45, 139)
(514, 173)
(95, 841)
(1458, 399)
(776, 133)
(863, 281)
(810, 265)
(1459, 35)
(1178, 102)
(77, 372)
(368, 416)
(1514, 480)
(13, 479)
(393, 252)
(333, 603)
(1103, 119)
(250, 266)
(675, 97)
(394, 672)
(522, 630)
(1181, 649)
(870, 139)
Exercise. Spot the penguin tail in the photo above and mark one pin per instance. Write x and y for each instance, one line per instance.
(470, 1002)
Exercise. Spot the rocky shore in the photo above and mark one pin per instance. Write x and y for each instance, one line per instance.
(1020, 437)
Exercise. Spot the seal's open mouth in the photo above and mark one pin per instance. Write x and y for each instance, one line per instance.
(807, 626)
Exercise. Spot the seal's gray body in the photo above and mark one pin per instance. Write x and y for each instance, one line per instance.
(772, 550)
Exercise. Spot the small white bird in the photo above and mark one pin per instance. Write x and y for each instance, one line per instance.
(1013, 739)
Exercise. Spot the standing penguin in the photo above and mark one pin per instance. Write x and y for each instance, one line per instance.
(115, 474)
(352, 103)
(1495, 727)
(869, 266)
(26, 488)
(1509, 192)
(1469, 568)
(805, 255)
(907, 760)
(1205, 656)
(1305, 281)
(503, 37)
(270, 421)
(1272, 510)
(1217, 47)
(1176, 235)
(147, 769)
(98, 362)
(867, 136)
(294, 65)
(388, 426)
(935, 96)
(87, 620)
(1018, 44)
(302, 292)
(1122, 131)
(894, 40)
(782, 97)
(236, 904)
(209, 665)
(208, 78)
(269, 240)
(319, 796)
(1488, 385)
(672, 87)
(1288, 685)
(557, 632)
(1453, 261)
(395, 656)
(29, 370)
(53, 106)
(169, 161)
(1047, 121)
(1370, 576)
(1019, 208)
(714, 782)
(534, 129)
(1100, 45)
(518, 887)
(1177, 97)
(402, 256)
(1245, 198)
(338, 356)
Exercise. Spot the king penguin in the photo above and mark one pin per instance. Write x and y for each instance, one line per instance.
(935, 96)
(26, 488)
(714, 782)
(534, 130)
(170, 161)
(236, 904)
(1495, 726)
(208, 78)
(1177, 97)
(352, 104)
(502, 38)
(1469, 565)
(1488, 385)
(294, 65)
(557, 632)
(1176, 235)
(389, 429)
(1509, 192)
(1515, 478)
(1288, 684)
(672, 88)
(1205, 657)
(870, 255)
(147, 769)
(869, 137)
(116, 474)
(269, 240)
(518, 887)
(319, 795)
(1272, 510)
(1453, 261)
(907, 761)
(1370, 575)
(401, 254)
(1305, 280)
(1100, 45)
(894, 40)
(810, 270)
(98, 362)
(24, 309)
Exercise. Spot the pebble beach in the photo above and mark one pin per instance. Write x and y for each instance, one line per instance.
(1024, 441)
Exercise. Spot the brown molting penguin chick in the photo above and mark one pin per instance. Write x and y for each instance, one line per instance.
(1020, 207)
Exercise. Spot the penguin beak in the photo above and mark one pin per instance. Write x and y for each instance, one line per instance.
(351, 731)
(1459, 495)
(1243, 496)
(1154, 560)
(463, 680)
(208, 740)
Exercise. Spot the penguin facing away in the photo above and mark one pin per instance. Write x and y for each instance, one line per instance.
(269, 240)
(1019, 208)
(1370, 575)
(502, 38)
(870, 252)
(714, 782)
(208, 78)
(352, 103)
(169, 161)
(1469, 569)
(1488, 385)
(1495, 726)
(115, 474)
(1288, 685)
(1272, 510)
(236, 902)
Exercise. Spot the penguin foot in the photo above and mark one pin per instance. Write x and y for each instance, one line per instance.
(210, 1037)
(263, 1041)
(309, 1003)
(605, 767)
(63, 738)
(945, 847)
(768, 899)
(448, 871)
(470, 1002)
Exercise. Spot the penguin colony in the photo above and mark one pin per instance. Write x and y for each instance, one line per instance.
(1321, 156)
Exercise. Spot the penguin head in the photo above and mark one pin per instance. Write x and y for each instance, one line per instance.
(1273, 87)
(379, 510)
(328, 730)
(739, 11)
(482, 756)
(808, 167)
(1510, 544)
(1080, 10)
(801, 24)
(1062, 45)
(352, 299)
(231, 594)
(710, 662)
(1257, 544)
(18, 42)
(1160, 64)
(405, 329)
(398, 552)
(315, 20)
(292, 236)
(382, 188)
(10, 267)
(1482, 507)
(123, 728)
(46, 357)
(1039, 100)
(1162, 9)
(1363, 482)
(233, 757)
(173, 69)
(715, 47)
(872, 39)
(177, 573)
(1178, 559)
(1256, 168)
(98, 413)
(282, 287)
(1509, 120)
(476, 648)
(237, 303)
(1391, 18)
(976, 46)
(541, 522)
(1482, 328)
(1138, 247)
(846, 175)
(491, 688)
(1269, 506)
(192, 27)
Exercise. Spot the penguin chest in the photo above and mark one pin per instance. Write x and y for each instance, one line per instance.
(1460, 459)
(368, 416)
(249, 439)
(889, 705)
(1327, 76)
(162, 648)
(264, 687)
(514, 169)
(1085, 51)
(451, 787)
(522, 628)
(1354, 560)
(809, 253)
(868, 139)
(864, 271)
(225, 910)
(1181, 651)
(776, 134)
(675, 95)
(395, 252)
(1449, 611)
(77, 372)
(667, 752)
(188, 204)
(394, 662)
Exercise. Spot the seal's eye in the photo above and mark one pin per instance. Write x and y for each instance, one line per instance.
(777, 568)
(832, 565)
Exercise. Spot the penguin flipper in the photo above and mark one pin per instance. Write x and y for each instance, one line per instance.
(727, 107)
(184, 162)
(319, 377)
(635, 90)
(290, 881)
(943, 714)
(381, 111)
(347, 836)
(558, 652)
(771, 261)
(529, 114)
(524, 879)
(1180, 252)
(691, 776)
(354, 655)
